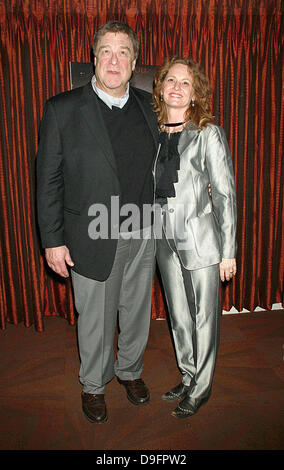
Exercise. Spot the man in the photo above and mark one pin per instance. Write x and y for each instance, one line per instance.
(96, 148)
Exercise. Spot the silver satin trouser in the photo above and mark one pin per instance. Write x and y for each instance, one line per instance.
(125, 296)
(193, 299)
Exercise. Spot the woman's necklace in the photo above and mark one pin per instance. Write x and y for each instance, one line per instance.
(172, 125)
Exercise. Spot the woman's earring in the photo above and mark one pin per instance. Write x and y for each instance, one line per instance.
(192, 103)
(161, 98)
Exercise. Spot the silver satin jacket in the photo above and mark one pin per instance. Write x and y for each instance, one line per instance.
(203, 227)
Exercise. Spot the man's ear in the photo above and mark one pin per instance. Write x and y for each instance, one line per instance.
(95, 61)
(133, 65)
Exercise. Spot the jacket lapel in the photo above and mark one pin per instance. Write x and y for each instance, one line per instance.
(188, 135)
(92, 115)
(148, 114)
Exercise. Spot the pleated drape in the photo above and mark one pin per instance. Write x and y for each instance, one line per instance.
(240, 46)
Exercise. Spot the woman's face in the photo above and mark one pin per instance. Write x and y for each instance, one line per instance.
(177, 88)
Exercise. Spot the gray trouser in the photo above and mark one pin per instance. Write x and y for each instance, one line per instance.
(125, 296)
(193, 299)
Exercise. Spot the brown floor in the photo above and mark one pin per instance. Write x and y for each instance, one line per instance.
(40, 407)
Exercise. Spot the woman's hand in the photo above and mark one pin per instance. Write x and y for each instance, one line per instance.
(228, 269)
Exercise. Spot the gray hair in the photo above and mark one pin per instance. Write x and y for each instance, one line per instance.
(116, 27)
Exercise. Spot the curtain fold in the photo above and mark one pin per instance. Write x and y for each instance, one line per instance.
(240, 46)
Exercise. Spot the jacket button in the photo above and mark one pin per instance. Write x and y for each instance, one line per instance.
(171, 210)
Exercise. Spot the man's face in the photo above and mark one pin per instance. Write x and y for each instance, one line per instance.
(114, 63)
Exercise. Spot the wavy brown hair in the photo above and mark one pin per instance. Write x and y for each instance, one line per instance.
(200, 113)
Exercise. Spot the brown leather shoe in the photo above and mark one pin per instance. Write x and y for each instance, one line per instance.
(137, 392)
(94, 407)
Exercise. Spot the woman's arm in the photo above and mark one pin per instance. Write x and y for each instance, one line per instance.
(220, 168)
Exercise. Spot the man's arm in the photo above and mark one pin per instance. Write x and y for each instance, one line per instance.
(50, 193)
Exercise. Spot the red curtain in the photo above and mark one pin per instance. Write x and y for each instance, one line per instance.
(240, 46)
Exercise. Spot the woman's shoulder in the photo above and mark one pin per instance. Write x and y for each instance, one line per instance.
(211, 127)
(210, 131)
(207, 128)
(213, 130)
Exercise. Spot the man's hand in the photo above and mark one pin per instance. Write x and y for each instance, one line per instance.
(228, 269)
(57, 258)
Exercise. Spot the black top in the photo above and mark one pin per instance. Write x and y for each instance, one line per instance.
(167, 165)
(133, 147)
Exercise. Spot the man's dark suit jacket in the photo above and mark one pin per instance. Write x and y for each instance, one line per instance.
(76, 168)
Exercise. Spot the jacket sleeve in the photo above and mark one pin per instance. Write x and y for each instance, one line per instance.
(220, 168)
(50, 182)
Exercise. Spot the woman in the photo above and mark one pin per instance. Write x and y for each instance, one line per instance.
(195, 228)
